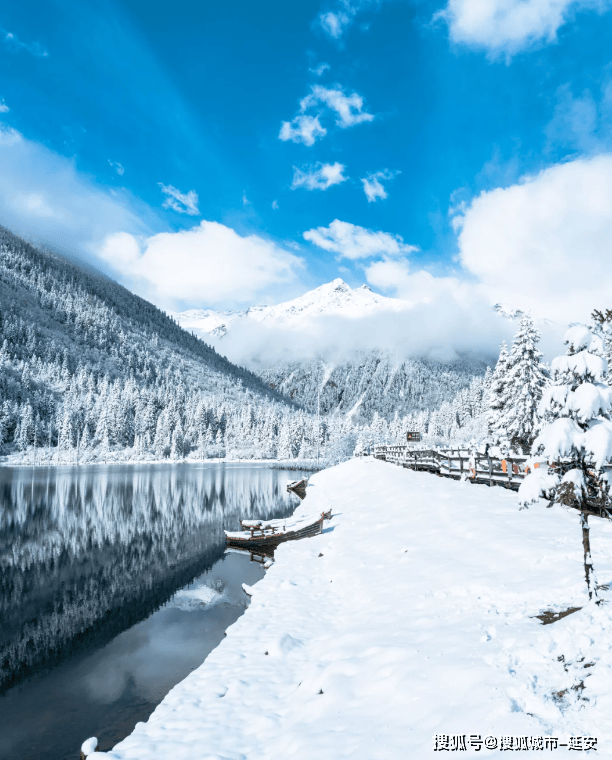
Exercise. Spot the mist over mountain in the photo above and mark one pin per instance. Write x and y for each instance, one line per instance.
(334, 322)
(91, 372)
(351, 351)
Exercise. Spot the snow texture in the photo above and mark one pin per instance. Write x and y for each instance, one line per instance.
(582, 364)
(89, 746)
(411, 615)
(580, 338)
(559, 439)
(539, 483)
(588, 400)
(576, 477)
(563, 437)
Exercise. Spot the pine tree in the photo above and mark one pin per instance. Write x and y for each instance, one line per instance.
(576, 437)
(525, 379)
(284, 450)
(160, 441)
(177, 447)
(498, 395)
(25, 436)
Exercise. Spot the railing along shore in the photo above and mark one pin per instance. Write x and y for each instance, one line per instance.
(455, 463)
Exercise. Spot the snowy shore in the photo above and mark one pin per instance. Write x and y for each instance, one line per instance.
(31, 460)
(411, 616)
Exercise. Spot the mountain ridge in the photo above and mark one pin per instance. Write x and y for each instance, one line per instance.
(335, 298)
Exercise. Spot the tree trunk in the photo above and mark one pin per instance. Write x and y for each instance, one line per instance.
(588, 562)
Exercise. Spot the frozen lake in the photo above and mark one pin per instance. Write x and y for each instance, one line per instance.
(114, 585)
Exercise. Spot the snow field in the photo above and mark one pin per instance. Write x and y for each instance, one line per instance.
(416, 620)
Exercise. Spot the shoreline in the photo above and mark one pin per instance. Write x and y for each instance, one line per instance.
(411, 616)
(272, 463)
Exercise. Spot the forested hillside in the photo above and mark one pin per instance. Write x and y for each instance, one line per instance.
(86, 365)
(372, 383)
(91, 372)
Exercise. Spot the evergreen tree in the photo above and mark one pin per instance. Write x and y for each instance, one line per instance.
(576, 437)
(25, 436)
(498, 395)
(177, 448)
(284, 450)
(525, 379)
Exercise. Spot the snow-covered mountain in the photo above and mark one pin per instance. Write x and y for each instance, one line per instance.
(342, 349)
(335, 298)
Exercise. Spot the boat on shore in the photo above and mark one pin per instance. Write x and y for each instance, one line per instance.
(268, 534)
(298, 486)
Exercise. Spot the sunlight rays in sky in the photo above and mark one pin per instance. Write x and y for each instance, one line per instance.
(386, 112)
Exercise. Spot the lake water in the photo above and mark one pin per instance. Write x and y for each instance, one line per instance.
(114, 585)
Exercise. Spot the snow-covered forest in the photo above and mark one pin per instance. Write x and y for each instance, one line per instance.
(500, 407)
(91, 372)
(372, 382)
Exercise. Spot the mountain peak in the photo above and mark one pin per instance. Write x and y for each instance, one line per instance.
(335, 298)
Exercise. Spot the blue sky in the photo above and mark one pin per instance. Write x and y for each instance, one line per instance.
(127, 122)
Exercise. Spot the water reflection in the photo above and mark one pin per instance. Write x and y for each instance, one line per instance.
(105, 691)
(88, 552)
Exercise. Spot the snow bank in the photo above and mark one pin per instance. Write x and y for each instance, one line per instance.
(411, 616)
(89, 746)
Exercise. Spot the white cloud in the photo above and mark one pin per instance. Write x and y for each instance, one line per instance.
(320, 69)
(373, 187)
(545, 243)
(318, 177)
(14, 44)
(46, 198)
(349, 108)
(508, 26)
(353, 242)
(335, 23)
(208, 264)
(582, 124)
(117, 167)
(436, 325)
(421, 287)
(303, 129)
(306, 128)
(3, 107)
(275, 205)
(184, 203)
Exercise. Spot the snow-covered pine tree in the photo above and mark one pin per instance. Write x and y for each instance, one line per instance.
(525, 379)
(177, 450)
(576, 437)
(284, 440)
(498, 395)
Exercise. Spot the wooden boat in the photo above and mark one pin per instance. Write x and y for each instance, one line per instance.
(268, 534)
(297, 485)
